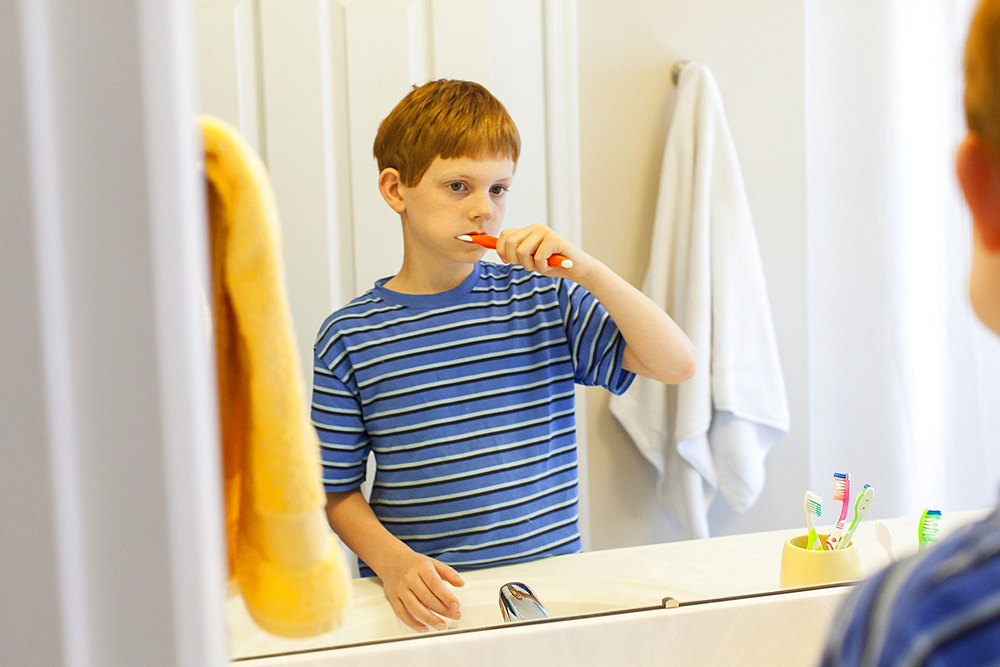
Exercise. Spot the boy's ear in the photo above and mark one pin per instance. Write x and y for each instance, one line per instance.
(389, 184)
(978, 169)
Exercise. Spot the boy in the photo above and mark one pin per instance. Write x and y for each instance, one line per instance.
(944, 608)
(459, 374)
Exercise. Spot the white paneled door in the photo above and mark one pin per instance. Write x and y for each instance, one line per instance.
(309, 81)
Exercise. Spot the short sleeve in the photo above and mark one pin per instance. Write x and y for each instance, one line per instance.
(596, 345)
(344, 443)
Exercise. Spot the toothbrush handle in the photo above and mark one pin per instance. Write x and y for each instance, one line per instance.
(846, 539)
(813, 539)
(835, 535)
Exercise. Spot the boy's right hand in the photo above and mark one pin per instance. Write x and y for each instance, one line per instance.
(415, 586)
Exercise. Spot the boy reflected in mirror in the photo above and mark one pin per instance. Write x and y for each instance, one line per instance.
(459, 374)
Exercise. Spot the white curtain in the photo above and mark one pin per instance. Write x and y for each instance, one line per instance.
(904, 381)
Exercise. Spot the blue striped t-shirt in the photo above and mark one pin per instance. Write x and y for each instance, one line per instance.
(466, 399)
(939, 608)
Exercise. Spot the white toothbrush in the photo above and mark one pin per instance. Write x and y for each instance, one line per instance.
(813, 506)
(884, 538)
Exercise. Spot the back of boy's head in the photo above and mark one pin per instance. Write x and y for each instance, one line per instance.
(982, 74)
(447, 119)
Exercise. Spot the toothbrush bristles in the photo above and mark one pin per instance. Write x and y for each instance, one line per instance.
(839, 486)
(813, 504)
(929, 525)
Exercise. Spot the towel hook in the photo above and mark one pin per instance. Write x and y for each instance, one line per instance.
(675, 73)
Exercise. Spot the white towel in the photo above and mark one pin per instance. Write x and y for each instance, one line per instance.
(713, 432)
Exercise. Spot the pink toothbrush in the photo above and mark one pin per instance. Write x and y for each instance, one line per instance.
(841, 492)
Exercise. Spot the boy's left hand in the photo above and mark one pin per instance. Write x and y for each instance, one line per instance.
(532, 246)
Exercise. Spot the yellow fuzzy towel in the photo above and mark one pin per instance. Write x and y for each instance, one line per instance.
(282, 555)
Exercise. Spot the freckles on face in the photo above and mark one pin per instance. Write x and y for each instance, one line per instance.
(455, 197)
(470, 192)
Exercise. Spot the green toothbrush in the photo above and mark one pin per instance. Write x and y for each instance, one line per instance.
(927, 529)
(861, 506)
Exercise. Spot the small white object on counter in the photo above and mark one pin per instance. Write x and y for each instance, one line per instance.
(884, 536)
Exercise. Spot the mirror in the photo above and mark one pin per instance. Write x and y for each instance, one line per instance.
(589, 86)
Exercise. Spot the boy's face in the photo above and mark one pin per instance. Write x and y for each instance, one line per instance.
(455, 196)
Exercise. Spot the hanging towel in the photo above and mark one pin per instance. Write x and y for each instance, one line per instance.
(282, 555)
(713, 432)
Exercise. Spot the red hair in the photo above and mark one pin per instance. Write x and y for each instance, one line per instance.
(982, 74)
(446, 119)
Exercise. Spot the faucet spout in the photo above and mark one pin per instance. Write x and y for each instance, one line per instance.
(518, 603)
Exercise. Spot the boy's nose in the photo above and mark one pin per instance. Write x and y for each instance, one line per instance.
(482, 208)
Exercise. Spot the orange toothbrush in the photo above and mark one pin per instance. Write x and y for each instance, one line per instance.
(490, 242)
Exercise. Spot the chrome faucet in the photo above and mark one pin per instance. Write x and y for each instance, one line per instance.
(518, 603)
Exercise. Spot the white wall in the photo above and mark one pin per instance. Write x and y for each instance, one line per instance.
(110, 508)
(902, 381)
(756, 51)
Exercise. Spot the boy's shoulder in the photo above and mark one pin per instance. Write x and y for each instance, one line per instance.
(359, 306)
(354, 313)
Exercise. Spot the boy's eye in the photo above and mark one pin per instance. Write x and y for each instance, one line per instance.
(457, 186)
(498, 189)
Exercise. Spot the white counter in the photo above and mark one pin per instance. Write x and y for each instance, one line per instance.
(631, 577)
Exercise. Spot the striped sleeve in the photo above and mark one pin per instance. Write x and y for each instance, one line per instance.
(596, 345)
(344, 441)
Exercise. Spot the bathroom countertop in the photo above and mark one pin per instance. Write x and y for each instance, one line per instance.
(719, 567)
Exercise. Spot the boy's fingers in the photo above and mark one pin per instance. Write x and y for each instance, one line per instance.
(527, 246)
(420, 611)
(530, 247)
(406, 617)
(431, 597)
(434, 606)
(438, 597)
(545, 250)
(526, 257)
(507, 245)
(449, 574)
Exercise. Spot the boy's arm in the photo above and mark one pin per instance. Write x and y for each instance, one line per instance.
(655, 346)
(413, 583)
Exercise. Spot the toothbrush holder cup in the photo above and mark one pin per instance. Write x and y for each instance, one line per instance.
(803, 567)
